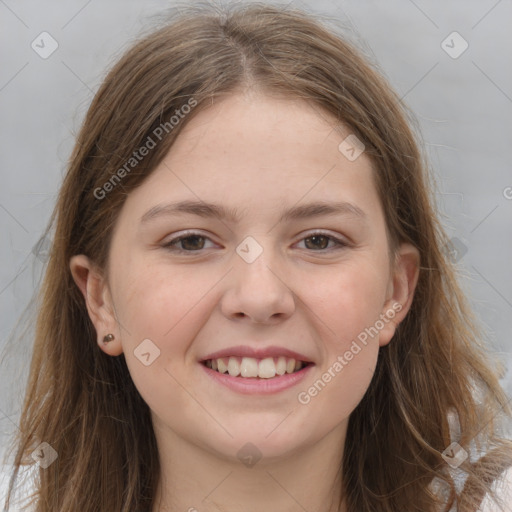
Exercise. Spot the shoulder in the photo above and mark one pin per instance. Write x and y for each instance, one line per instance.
(485, 461)
(503, 488)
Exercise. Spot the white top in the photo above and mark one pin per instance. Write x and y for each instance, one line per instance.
(503, 486)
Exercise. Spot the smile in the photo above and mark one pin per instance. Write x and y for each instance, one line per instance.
(251, 376)
(250, 367)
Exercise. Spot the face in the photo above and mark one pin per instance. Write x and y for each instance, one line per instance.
(311, 283)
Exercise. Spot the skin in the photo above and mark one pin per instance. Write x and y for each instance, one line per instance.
(261, 155)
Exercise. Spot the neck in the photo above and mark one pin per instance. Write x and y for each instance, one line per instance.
(194, 479)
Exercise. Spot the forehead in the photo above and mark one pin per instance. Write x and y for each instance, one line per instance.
(255, 127)
(259, 153)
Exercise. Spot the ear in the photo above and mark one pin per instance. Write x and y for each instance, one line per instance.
(401, 286)
(98, 300)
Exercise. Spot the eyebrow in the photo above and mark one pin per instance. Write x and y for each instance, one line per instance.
(208, 210)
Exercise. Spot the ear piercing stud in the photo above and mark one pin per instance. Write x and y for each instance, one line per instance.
(108, 337)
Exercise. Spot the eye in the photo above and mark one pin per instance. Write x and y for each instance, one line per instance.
(195, 242)
(190, 242)
(319, 242)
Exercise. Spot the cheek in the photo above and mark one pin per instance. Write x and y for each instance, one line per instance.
(335, 392)
(347, 307)
(347, 300)
(168, 308)
(156, 300)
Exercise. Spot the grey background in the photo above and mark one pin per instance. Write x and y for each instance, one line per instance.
(463, 107)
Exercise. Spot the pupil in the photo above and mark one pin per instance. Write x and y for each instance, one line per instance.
(185, 241)
(317, 237)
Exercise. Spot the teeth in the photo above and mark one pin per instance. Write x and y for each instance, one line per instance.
(233, 367)
(281, 366)
(221, 367)
(250, 367)
(267, 368)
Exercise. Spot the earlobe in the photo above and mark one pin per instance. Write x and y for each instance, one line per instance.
(402, 287)
(98, 301)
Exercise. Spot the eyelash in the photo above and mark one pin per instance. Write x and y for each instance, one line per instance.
(340, 244)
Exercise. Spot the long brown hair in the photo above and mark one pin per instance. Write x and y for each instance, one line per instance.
(84, 403)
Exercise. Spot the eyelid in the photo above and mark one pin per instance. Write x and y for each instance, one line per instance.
(186, 234)
(337, 238)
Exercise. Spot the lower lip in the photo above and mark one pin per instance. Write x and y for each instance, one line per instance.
(257, 386)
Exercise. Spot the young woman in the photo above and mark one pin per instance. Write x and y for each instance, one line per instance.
(247, 303)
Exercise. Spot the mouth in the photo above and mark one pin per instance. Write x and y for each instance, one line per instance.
(253, 368)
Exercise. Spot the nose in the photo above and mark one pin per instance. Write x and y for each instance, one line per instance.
(258, 291)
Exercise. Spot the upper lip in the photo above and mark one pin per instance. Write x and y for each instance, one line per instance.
(257, 353)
